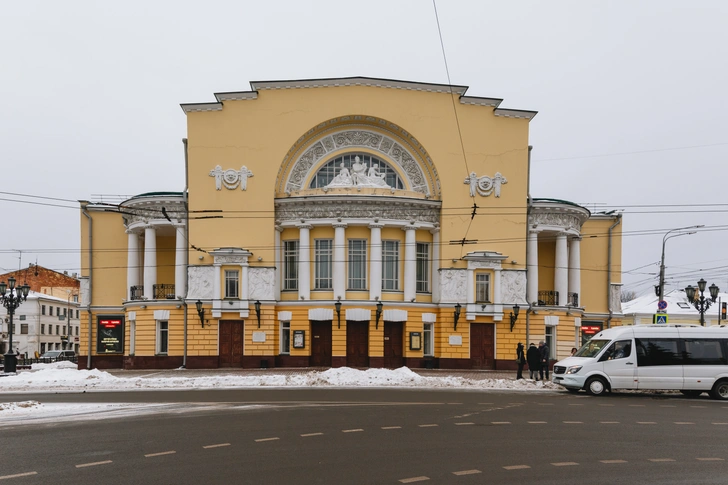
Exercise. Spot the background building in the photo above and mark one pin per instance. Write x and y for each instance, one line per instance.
(47, 281)
(359, 222)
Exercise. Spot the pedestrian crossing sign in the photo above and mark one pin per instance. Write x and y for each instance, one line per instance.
(659, 318)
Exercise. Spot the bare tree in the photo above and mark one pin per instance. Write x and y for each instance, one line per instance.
(628, 296)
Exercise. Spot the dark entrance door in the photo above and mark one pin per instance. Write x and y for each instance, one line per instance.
(393, 344)
(482, 352)
(320, 344)
(231, 343)
(357, 344)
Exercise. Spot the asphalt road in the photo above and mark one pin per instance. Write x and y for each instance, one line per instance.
(374, 436)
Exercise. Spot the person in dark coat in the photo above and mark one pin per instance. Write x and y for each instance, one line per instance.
(543, 351)
(534, 361)
(520, 360)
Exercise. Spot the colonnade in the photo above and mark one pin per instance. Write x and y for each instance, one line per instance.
(567, 266)
(148, 274)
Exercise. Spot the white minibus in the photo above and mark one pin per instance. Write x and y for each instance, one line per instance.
(687, 358)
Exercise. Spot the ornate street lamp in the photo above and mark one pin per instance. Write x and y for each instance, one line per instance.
(11, 301)
(700, 302)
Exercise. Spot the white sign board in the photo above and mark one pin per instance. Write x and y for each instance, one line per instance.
(258, 337)
(456, 340)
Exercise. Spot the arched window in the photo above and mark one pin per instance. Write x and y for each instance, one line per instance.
(327, 173)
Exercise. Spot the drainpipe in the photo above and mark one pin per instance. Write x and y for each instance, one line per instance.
(609, 271)
(90, 285)
(187, 253)
(528, 217)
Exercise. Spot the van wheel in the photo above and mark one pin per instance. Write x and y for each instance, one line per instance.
(596, 386)
(720, 390)
(691, 393)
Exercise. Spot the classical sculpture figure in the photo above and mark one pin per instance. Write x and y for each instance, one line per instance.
(343, 179)
(359, 170)
(498, 180)
(217, 173)
(359, 176)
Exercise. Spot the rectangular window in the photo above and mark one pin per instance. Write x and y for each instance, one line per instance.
(290, 265)
(76, 331)
(58, 329)
(50, 310)
(285, 338)
(24, 329)
(232, 283)
(653, 352)
(482, 288)
(42, 347)
(76, 313)
(551, 341)
(390, 265)
(75, 298)
(704, 352)
(357, 264)
(64, 312)
(42, 309)
(42, 328)
(429, 340)
(162, 336)
(22, 317)
(423, 268)
(324, 264)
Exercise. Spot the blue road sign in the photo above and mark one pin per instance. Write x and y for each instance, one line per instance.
(662, 304)
(659, 318)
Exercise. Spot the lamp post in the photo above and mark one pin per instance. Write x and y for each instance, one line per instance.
(12, 300)
(68, 320)
(700, 302)
(660, 290)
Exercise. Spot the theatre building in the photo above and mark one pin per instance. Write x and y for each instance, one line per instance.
(345, 222)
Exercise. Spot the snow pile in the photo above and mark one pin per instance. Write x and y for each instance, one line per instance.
(61, 364)
(16, 407)
(61, 377)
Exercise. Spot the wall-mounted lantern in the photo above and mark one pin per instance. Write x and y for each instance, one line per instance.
(200, 312)
(257, 311)
(514, 315)
(456, 316)
(380, 306)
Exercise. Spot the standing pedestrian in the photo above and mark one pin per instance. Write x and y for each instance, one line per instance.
(520, 360)
(534, 361)
(543, 351)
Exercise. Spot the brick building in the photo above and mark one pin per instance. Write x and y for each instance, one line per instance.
(47, 281)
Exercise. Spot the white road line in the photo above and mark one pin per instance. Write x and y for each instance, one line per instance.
(351, 430)
(216, 446)
(83, 465)
(661, 459)
(464, 424)
(720, 423)
(414, 479)
(18, 475)
(683, 422)
(710, 459)
(150, 455)
(500, 422)
(260, 440)
(311, 434)
(537, 422)
(609, 422)
(516, 467)
(428, 425)
(467, 472)
(646, 422)
(612, 461)
(565, 463)
(391, 427)
(573, 422)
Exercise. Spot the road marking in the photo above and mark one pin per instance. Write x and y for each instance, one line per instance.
(414, 479)
(351, 430)
(150, 455)
(661, 459)
(216, 446)
(516, 467)
(683, 422)
(565, 463)
(311, 434)
(613, 461)
(609, 422)
(710, 459)
(427, 425)
(464, 424)
(467, 472)
(646, 422)
(266, 439)
(391, 427)
(720, 423)
(500, 422)
(18, 475)
(537, 422)
(573, 422)
(83, 465)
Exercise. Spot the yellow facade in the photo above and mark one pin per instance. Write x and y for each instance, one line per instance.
(338, 222)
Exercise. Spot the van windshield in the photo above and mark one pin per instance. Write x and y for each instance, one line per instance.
(591, 348)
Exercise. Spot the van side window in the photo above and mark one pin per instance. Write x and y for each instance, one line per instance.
(620, 349)
(653, 351)
(704, 352)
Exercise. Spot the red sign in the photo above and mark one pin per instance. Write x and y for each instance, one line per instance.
(591, 329)
(109, 323)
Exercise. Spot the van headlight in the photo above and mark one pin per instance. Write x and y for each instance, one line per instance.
(573, 369)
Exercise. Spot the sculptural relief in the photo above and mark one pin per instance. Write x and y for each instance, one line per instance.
(484, 185)
(261, 283)
(199, 282)
(513, 287)
(453, 284)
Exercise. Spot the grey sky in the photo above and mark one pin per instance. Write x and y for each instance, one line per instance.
(91, 93)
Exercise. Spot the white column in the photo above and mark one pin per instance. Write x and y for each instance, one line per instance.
(339, 266)
(180, 263)
(497, 288)
(216, 295)
(278, 262)
(561, 270)
(375, 261)
(575, 267)
(150, 261)
(244, 283)
(435, 265)
(532, 268)
(304, 262)
(410, 263)
(470, 286)
(132, 262)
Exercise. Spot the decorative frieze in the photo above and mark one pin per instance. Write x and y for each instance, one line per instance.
(565, 221)
(262, 283)
(200, 282)
(513, 287)
(231, 178)
(381, 208)
(453, 285)
(484, 185)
